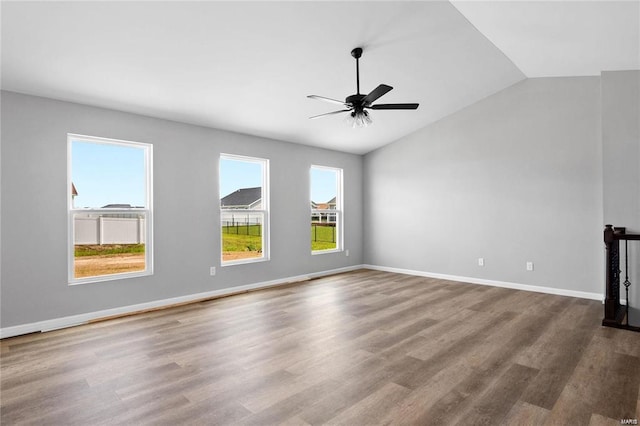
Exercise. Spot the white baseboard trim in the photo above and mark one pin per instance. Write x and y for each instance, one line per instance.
(74, 320)
(481, 281)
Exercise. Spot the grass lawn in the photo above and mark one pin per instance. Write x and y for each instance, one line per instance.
(238, 243)
(234, 242)
(322, 237)
(321, 245)
(107, 249)
(241, 242)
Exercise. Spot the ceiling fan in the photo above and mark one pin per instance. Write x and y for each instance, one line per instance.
(358, 104)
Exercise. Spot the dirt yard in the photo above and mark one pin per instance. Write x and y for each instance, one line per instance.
(238, 255)
(89, 266)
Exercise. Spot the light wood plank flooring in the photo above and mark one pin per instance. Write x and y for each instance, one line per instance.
(360, 348)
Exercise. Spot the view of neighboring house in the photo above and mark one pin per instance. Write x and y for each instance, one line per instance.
(318, 216)
(243, 199)
(251, 199)
(329, 205)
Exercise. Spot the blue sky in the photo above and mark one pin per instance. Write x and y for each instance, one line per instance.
(323, 185)
(107, 174)
(236, 175)
(115, 174)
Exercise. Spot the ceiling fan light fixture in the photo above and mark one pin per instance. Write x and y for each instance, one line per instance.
(359, 119)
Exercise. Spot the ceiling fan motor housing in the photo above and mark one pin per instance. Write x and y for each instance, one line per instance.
(356, 101)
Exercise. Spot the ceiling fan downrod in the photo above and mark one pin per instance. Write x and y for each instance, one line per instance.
(357, 53)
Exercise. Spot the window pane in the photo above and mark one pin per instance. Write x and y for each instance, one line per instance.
(240, 184)
(241, 235)
(242, 214)
(108, 175)
(323, 235)
(324, 187)
(324, 205)
(106, 244)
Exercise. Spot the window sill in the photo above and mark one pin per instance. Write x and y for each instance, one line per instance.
(111, 277)
(313, 253)
(243, 261)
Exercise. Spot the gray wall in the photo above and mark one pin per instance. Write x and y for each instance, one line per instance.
(621, 164)
(516, 177)
(621, 148)
(34, 175)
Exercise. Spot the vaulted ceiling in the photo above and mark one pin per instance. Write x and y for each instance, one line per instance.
(248, 66)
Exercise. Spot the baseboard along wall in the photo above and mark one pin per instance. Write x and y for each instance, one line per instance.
(80, 319)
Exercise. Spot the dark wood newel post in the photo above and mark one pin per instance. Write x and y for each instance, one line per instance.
(611, 300)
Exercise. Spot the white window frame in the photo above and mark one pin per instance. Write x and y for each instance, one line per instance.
(339, 210)
(264, 211)
(147, 211)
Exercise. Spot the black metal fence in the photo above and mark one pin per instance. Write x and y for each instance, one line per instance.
(323, 231)
(320, 231)
(242, 228)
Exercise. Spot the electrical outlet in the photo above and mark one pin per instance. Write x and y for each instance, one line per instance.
(481, 261)
(346, 252)
(212, 271)
(529, 266)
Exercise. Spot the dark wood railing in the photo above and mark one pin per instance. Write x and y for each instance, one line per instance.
(615, 314)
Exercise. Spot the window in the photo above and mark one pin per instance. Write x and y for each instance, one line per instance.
(326, 209)
(244, 209)
(110, 214)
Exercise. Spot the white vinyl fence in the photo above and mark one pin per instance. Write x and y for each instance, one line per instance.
(101, 229)
(241, 217)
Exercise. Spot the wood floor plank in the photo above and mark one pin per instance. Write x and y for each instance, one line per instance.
(421, 373)
(370, 409)
(364, 347)
(366, 378)
(499, 361)
(414, 409)
(557, 368)
(291, 406)
(495, 403)
(598, 420)
(604, 382)
(525, 414)
(203, 413)
(570, 408)
(638, 407)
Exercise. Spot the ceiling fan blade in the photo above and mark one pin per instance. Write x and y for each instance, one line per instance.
(394, 106)
(329, 113)
(375, 94)
(322, 98)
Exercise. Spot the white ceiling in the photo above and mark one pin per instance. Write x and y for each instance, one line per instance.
(561, 38)
(248, 66)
